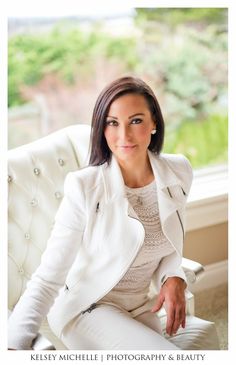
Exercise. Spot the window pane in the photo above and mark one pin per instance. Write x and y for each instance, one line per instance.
(57, 68)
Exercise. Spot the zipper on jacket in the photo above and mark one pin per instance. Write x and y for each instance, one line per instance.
(177, 212)
(66, 287)
(89, 310)
(181, 223)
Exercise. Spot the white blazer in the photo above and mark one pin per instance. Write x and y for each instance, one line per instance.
(95, 238)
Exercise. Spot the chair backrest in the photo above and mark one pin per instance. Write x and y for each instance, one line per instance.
(36, 178)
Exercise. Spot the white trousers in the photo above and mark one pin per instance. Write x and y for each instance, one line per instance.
(109, 327)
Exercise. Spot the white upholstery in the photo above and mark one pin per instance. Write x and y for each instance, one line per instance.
(36, 178)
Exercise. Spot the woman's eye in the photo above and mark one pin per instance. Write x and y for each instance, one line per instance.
(136, 121)
(111, 122)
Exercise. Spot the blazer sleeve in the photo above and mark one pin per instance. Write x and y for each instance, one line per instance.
(170, 265)
(42, 289)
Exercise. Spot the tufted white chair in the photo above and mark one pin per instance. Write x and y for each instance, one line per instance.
(36, 178)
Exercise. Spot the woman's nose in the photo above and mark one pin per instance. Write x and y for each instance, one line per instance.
(124, 132)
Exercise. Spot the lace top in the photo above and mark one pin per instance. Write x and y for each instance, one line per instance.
(155, 246)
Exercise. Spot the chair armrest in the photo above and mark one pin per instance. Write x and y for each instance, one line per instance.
(42, 343)
(192, 269)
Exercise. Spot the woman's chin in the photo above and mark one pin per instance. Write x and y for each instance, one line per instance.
(128, 156)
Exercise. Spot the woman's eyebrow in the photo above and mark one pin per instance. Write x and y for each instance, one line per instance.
(110, 116)
(131, 116)
(136, 114)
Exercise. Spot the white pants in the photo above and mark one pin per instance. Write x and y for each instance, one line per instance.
(109, 327)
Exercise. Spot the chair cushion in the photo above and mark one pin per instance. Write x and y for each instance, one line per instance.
(198, 334)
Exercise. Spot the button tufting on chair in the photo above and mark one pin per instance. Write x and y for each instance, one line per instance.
(36, 171)
(58, 195)
(34, 202)
(39, 168)
(27, 236)
(61, 162)
(21, 271)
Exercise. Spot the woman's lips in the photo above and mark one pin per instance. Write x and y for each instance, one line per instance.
(128, 146)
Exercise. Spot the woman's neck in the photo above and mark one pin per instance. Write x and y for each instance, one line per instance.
(137, 176)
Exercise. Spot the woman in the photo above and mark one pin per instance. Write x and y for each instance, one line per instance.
(119, 227)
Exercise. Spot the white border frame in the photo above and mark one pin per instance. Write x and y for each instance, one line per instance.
(42, 7)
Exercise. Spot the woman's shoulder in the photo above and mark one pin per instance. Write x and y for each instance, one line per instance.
(85, 172)
(176, 161)
(86, 178)
(180, 166)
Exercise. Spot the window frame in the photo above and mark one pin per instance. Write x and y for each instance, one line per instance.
(208, 199)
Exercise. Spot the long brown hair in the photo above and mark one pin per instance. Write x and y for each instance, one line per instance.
(100, 152)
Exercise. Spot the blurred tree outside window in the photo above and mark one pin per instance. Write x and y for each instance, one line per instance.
(57, 70)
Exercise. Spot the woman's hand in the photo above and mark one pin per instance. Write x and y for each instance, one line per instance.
(172, 293)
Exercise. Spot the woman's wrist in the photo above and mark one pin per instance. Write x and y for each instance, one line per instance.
(175, 280)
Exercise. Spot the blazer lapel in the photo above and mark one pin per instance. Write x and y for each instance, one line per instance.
(165, 179)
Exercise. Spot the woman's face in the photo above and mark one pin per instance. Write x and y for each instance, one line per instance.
(128, 127)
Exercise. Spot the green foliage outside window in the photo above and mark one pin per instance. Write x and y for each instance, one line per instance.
(68, 53)
(181, 53)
